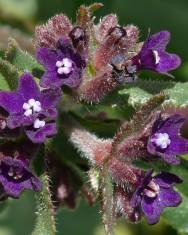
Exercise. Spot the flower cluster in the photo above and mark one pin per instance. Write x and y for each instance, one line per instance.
(86, 61)
(32, 111)
(160, 141)
(138, 192)
(69, 57)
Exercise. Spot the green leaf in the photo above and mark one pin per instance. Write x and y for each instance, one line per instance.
(177, 217)
(45, 222)
(8, 75)
(21, 59)
(142, 90)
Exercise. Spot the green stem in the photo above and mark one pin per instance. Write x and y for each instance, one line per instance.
(45, 222)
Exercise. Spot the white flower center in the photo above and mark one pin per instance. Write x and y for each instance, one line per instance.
(32, 106)
(162, 140)
(152, 189)
(64, 66)
(13, 174)
(156, 56)
(38, 124)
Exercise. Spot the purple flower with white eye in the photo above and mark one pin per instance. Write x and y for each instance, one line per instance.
(153, 55)
(156, 193)
(63, 66)
(165, 140)
(15, 176)
(32, 109)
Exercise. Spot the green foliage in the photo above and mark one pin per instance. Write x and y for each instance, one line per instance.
(13, 63)
(45, 222)
(21, 59)
(9, 75)
(177, 217)
(142, 90)
(115, 107)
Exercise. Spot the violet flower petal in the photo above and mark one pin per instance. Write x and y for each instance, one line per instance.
(50, 98)
(167, 62)
(151, 209)
(38, 136)
(178, 145)
(157, 41)
(18, 120)
(28, 87)
(171, 125)
(169, 198)
(50, 80)
(167, 180)
(47, 58)
(12, 102)
(73, 80)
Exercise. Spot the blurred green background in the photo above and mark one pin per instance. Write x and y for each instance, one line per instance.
(19, 216)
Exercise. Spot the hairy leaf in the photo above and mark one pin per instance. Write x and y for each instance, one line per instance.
(177, 217)
(21, 59)
(142, 90)
(9, 75)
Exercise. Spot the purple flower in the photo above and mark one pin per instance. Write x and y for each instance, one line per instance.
(63, 66)
(32, 109)
(156, 193)
(15, 176)
(153, 55)
(165, 140)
